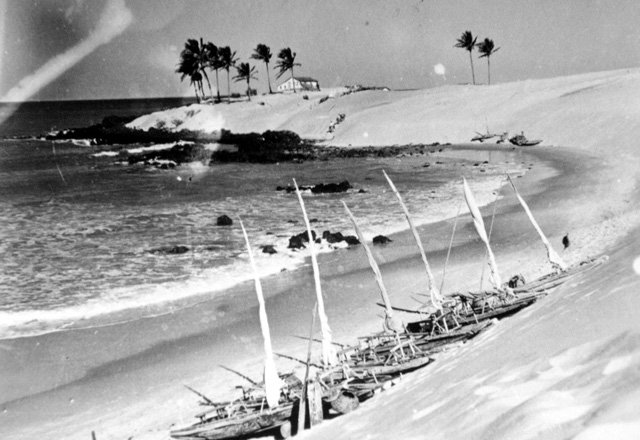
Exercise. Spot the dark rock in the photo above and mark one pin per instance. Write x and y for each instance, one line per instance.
(295, 242)
(324, 188)
(269, 249)
(298, 241)
(224, 220)
(305, 235)
(381, 239)
(362, 191)
(173, 250)
(313, 220)
(333, 237)
(351, 240)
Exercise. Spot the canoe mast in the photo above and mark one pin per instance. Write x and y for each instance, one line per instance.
(272, 382)
(436, 298)
(555, 260)
(391, 323)
(479, 224)
(329, 356)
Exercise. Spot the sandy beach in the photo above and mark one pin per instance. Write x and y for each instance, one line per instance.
(565, 368)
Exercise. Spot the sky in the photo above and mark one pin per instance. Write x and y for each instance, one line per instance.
(104, 49)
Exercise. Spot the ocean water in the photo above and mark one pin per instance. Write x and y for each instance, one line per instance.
(78, 228)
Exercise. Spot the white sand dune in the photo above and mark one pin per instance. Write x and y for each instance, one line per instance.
(584, 111)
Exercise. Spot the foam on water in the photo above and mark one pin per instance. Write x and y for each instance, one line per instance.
(86, 250)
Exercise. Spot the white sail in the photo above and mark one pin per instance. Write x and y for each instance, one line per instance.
(553, 256)
(479, 224)
(272, 382)
(329, 356)
(436, 298)
(391, 323)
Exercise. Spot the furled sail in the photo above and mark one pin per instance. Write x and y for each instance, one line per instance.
(329, 356)
(391, 322)
(479, 224)
(553, 256)
(272, 382)
(436, 298)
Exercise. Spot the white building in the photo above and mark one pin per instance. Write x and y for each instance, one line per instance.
(301, 83)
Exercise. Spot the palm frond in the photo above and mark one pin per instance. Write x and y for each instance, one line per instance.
(262, 52)
(466, 41)
(286, 61)
(487, 48)
(245, 72)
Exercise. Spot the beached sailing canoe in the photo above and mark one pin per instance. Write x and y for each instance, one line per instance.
(467, 309)
(264, 407)
(352, 375)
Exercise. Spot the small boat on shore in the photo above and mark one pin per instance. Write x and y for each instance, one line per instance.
(521, 141)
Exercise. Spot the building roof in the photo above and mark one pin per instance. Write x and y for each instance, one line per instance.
(305, 79)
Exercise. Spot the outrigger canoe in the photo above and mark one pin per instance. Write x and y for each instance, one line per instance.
(244, 416)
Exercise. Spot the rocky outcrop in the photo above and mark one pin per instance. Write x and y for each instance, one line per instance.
(381, 239)
(298, 241)
(224, 220)
(320, 188)
(170, 250)
(337, 237)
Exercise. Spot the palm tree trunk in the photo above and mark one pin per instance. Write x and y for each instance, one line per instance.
(218, 85)
(489, 69)
(293, 81)
(208, 83)
(201, 89)
(228, 87)
(248, 89)
(268, 80)
(473, 74)
(195, 89)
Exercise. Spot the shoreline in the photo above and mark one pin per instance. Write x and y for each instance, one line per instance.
(445, 202)
(183, 353)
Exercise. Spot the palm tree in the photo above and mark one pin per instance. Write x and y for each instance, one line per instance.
(194, 59)
(486, 48)
(468, 42)
(188, 66)
(213, 62)
(286, 61)
(246, 73)
(262, 52)
(203, 58)
(227, 60)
